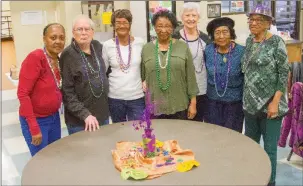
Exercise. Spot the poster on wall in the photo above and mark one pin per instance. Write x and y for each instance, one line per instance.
(237, 6)
(213, 10)
(151, 10)
(33, 17)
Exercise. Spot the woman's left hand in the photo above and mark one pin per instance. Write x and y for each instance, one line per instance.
(192, 111)
(272, 109)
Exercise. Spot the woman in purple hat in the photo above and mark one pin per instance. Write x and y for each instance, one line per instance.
(265, 68)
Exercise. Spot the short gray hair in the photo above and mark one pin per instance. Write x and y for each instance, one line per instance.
(83, 17)
(191, 6)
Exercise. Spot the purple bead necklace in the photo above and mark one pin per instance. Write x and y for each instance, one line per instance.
(222, 84)
(124, 67)
(198, 47)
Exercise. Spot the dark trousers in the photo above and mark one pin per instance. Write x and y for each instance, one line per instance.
(270, 131)
(126, 110)
(201, 108)
(178, 115)
(50, 128)
(78, 128)
(225, 114)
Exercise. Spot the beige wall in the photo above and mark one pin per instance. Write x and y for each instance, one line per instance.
(121, 5)
(5, 5)
(29, 37)
(241, 26)
(71, 10)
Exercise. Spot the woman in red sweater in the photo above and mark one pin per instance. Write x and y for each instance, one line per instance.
(39, 91)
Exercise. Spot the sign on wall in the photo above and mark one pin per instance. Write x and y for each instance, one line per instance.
(33, 17)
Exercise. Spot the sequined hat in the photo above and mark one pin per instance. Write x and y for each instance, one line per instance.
(261, 10)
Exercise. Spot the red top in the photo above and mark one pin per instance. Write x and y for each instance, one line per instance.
(38, 93)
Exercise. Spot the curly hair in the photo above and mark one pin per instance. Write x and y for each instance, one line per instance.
(167, 14)
(122, 13)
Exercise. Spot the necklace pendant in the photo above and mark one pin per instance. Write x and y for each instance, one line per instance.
(224, 59)
(222, 85)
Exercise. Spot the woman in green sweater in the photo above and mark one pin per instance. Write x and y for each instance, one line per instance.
(265, 68)
(168, 71)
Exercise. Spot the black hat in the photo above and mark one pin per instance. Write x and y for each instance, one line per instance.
(215, 23)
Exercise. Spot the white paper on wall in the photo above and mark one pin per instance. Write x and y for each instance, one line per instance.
(33, 17)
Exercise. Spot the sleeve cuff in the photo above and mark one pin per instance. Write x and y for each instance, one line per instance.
(84, 114)
(33, 126)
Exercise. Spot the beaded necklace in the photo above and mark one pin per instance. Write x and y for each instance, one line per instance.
(167, 66)
(222, 84)
(96, 73)
(57, 76)
(252, 52)
(124, 67)
(196, 55)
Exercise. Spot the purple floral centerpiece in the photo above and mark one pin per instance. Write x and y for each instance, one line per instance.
(148, 138)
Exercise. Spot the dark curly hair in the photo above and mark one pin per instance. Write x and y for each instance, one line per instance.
(50, 25)
(167, 14)
(122, 13)
(222, 21)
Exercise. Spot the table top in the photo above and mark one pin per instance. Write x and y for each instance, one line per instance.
(226, 157)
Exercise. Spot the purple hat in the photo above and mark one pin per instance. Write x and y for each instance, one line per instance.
(261, 10)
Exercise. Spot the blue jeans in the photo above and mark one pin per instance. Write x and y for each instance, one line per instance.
(77, 128)
(126, 110)
(50, 128)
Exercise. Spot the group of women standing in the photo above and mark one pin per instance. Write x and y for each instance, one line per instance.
(189, 74)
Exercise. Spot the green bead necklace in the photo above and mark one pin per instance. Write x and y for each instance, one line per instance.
(167, 66)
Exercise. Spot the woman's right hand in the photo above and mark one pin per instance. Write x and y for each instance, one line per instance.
(144, 87)
(37, 139)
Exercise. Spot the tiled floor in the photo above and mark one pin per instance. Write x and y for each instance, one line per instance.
(15, 153)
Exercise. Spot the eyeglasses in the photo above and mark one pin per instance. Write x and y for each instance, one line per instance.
(225, 33)
(258, 21)
(121, 24)
(80, 30)
(161, 27)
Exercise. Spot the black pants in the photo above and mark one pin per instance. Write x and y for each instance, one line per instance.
(201, 108)
(178, 115)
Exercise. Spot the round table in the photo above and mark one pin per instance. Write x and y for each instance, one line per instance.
(226, 157)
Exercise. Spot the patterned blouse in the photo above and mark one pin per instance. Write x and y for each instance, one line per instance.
(234, 89)
(265, 67)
